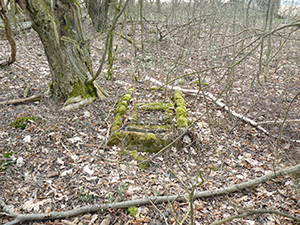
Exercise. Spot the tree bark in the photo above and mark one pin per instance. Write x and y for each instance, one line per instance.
(8, 36)
(60, 30)
(98, 12)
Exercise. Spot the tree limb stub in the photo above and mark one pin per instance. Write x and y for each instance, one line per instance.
(19, 218)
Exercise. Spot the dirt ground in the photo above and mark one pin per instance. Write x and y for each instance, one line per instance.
(58, 161)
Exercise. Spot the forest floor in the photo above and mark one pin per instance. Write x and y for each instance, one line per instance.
(57, 161)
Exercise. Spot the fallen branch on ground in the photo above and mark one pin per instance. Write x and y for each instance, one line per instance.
(219, 103)
(22, 100)
(19, 218)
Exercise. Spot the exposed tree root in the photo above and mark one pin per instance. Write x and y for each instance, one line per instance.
(70, 104)
(19, 218)
(77, 102)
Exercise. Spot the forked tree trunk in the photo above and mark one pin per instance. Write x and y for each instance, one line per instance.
(60, 30)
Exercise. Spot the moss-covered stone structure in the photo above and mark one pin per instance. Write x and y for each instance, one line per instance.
(147, 127)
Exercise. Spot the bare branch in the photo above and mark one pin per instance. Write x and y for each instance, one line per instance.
(19, 218)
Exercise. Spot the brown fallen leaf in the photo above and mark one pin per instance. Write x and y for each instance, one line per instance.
(67, 222)
(106, 221)
(52, 174)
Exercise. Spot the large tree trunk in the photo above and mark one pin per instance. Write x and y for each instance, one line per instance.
(98, 12)
(60, 30)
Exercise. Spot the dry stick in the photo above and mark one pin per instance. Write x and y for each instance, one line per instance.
(19, 218)
(281, 129)
(253, 213)
(279, 121)
(219, 103)
(22, 100)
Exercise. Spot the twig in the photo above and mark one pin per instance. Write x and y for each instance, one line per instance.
(19, 218)
(278, 121)
(253, 213)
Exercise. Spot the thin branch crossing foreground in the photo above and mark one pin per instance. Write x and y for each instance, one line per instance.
(19, 218)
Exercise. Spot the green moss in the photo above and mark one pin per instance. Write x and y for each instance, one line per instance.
(85, 90)
(134, 116)
(180, 108)
(22, 122)
(51, 86)
(142, 142)
(118, 122)
(133, 210)
(157, 106)
(168, 116)
(151, 137)
(152, 32)
(180, 111)
(180, 102)
(121, 109)
(115, 128)
(177, 95)
(68, 28)
(178, 99)
(147, 128)
(181, 122)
